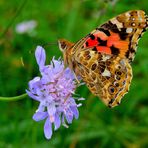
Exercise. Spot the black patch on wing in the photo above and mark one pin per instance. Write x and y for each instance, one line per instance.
(102, 67)
(86, 44)
(94, 66)
(111, 101)
(113, 27)
(94, 49)
(144, 29)
(92, 36)
(127, 54)
(140, 35)
(104, 30)
(123, 35)
(101, 42)
(132, 50)
(114, 50)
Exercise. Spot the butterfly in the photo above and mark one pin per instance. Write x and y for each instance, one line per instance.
(103, 57)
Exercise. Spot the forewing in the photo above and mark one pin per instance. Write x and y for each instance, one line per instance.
(118, 36)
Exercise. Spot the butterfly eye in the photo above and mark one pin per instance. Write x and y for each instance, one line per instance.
(111, 89)
(62, 45)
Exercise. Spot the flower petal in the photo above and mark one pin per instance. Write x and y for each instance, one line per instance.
(40, 116)
(69, 116)
(40, 56)
(48, 129)
(58, 66)
(41, 107)
(32, 96)
(34, 84)
(51, 109)
(57, 121)
(75, 111)
(69, 74)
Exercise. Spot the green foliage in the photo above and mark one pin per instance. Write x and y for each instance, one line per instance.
(97, 126)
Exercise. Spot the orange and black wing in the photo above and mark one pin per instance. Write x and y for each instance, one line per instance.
(118, 36)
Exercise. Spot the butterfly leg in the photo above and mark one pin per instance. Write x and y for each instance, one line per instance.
(76, 79)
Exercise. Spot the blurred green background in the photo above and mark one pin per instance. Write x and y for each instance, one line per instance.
(97, 126)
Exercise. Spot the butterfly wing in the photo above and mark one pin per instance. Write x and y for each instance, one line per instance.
(119, 36)
(106, 76)
(103, 57)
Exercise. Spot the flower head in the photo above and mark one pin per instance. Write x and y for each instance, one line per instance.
(26, 27)
(53, 90)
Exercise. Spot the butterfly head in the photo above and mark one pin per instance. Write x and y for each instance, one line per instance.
(64, 44)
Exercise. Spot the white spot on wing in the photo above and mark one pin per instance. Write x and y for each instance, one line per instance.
(106, 73)
(115, 21)
(127, 15)
(133, 24)
(105, 57)
(139, 16)
(129, 30)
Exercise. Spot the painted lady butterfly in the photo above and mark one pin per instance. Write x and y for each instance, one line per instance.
(103, 58)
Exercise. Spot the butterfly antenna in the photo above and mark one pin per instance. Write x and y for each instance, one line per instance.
(49, 44)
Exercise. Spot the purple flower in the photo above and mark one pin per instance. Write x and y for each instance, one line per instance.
(26, 27)
(53, 90)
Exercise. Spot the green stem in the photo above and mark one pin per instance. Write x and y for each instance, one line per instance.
(16, 98)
